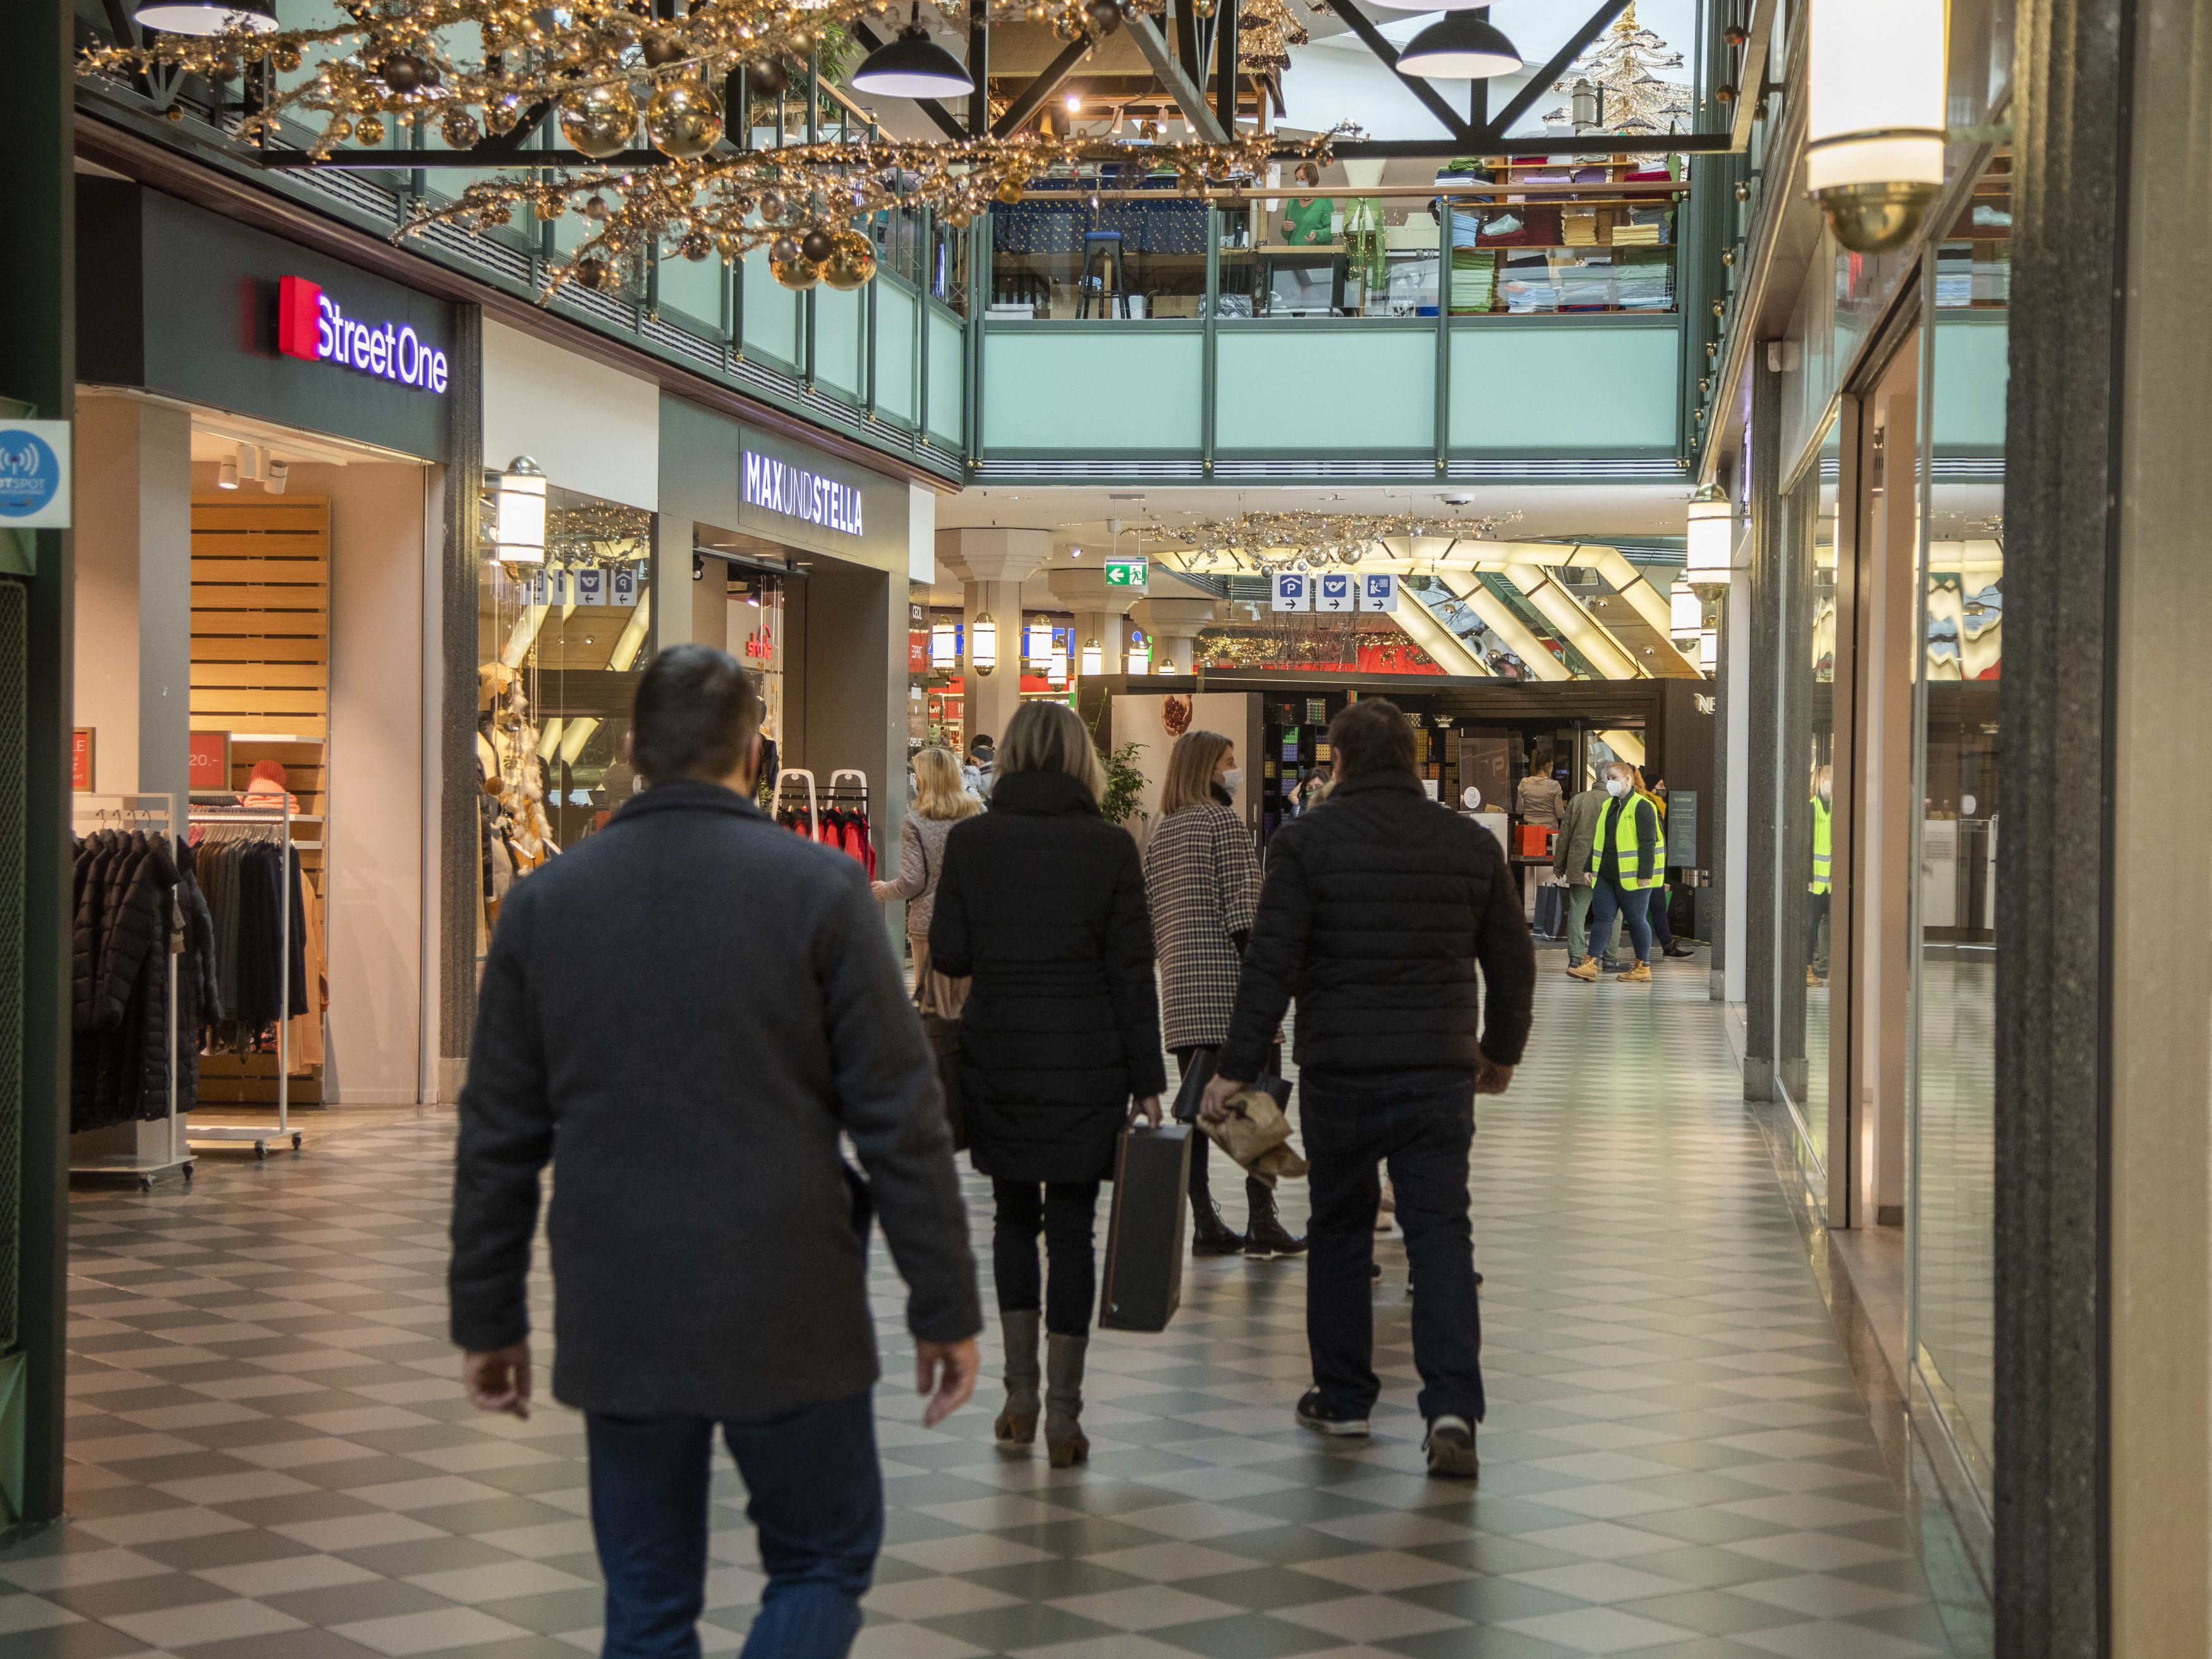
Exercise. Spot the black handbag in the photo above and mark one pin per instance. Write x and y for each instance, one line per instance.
(1196, 1075)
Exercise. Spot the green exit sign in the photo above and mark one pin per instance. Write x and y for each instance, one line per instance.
(1125, 572)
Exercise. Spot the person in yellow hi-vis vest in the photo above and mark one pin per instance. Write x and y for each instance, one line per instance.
(1818, 889)
(1628, 859)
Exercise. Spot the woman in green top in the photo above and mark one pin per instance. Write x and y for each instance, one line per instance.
(1309, 220)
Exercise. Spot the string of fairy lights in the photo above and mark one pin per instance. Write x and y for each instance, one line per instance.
(611, 78)
(1264, 542)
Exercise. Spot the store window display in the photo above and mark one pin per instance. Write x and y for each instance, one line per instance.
(561, 643)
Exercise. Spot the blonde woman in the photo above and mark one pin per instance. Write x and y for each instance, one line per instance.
(941, 801)
(1202, 875)
(1042, 905)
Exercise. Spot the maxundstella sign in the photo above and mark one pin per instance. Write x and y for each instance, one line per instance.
(796, 492)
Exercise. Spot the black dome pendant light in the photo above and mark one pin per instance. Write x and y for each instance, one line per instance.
(913, 66)
(1458, 45)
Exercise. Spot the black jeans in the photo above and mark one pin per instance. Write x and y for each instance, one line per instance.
(1663, 934)
(1816, 912)
(1254, 1188)
(816, 1496)
(1066, 1213)
(1424, 1128)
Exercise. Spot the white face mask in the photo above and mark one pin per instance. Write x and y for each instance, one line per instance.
(1233, 779)
(1826, 791)
(1615, 787)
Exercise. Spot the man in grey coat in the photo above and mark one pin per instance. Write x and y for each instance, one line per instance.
(1570, 863)
(693, 1006)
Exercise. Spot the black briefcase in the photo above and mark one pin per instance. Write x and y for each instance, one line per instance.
(1146, 1240)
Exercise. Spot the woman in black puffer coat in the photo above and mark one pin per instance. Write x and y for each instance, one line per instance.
(1043, 904)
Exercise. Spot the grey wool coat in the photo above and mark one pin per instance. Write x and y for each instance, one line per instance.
(682, 1015)
(1202, 878)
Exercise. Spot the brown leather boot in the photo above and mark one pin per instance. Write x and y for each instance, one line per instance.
(1065, 1443)
(1269, 1237)
(1210, 1235)
(1017, 1423)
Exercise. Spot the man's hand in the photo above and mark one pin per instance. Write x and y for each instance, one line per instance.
(1490, 1078)
(499, 1381)
(946, 1373)
(1145, 1109)
(1213, 1106)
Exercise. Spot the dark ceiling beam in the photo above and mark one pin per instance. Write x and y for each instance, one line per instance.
(945, 120)
(1225, 65)
(1190, 40)
(1432, 100)
(1562, 60)
(1032, 97)
(979, 70)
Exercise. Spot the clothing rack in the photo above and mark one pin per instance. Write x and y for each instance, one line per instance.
(860, 781)
(281, 817)
(813, 797)
(156, 814)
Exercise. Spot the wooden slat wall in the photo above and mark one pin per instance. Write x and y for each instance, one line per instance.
(261, 662)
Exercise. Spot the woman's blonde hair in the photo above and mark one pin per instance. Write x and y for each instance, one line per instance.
(939, 791)
(1191, 765)
(1050, 737)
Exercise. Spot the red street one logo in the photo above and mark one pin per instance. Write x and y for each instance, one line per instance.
(311, 326)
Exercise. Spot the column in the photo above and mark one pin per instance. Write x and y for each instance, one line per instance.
(992, 565)
(1172, 626)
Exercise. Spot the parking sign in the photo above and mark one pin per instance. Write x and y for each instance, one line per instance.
(1334, 590)
(1378, 590)
(1292, 591)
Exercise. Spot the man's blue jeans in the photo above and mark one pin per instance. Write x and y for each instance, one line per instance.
(1424, 1128)
(816, 1502)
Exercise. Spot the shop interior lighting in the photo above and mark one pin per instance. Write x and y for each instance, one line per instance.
(1873, 115)
(944, 646)
(913, 66)
(1685, 613)
(983, 645)
(1093, 660)
(279, 475)
(1140, 654)
(1460, 45)
(1037, 641)
(1711, 537)
(226, 476)
(520, 535)
(208, 17)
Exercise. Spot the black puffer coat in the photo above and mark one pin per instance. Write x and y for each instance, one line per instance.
(1377, 908)
(126, 908)
(1043, 903)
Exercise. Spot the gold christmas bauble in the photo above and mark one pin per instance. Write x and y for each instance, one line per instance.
(795, 273)
(599, 120)
(851, 263)
(369, 129)
(1010, 191)
(683, 120)
(460, 129)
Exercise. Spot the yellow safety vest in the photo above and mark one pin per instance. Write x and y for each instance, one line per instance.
(1824, 837)
(1618, 819)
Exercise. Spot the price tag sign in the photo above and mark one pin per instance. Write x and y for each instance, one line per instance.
(1127, 573)
(1378, 590)
(1293, 591)
(1335, 591)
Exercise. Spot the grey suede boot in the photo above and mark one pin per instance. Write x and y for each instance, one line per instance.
(1065, 1443)
(1016, 1423)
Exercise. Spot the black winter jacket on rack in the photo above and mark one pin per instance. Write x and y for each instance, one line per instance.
(132, 897)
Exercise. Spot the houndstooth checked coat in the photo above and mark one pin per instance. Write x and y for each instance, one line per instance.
(1202, 875)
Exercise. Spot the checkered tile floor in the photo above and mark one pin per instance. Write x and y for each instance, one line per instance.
(271, 1460)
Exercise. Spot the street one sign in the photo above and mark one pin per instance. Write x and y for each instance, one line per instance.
(1378, 590)
(1293, 591)
(1126, 571)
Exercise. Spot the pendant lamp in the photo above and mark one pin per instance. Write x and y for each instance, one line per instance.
(1709, 649)
(518, 537)
(1140, 654)
(943, 645)
(208, 17)
(1037, 640)
(1874, 117)
(1460, 45)
(1685, 613)
(913, 66)
(1056, 669)
(1094, 658)
(983, 644)
(1711, 538)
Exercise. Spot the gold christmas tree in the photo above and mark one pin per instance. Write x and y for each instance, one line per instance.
(1633, 96)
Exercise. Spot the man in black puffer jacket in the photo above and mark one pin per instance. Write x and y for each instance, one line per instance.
(1378, 908)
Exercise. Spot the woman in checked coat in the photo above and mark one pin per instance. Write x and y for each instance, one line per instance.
(1202, 877)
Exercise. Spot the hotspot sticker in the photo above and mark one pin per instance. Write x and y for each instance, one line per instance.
(34, 486)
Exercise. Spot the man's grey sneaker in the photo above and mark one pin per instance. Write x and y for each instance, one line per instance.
(1314, 1414)
(1450, 1447)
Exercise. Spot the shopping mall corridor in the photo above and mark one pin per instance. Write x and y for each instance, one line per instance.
(272, 1461)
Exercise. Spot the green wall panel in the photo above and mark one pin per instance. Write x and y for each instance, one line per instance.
(948, 379)
(771, 313)
(898, 313)
(1057, 389)
(837, 342)
(1328, 390)
(1971, 373)
(1563, 389)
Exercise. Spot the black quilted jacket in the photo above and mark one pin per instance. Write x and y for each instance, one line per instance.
(1042, 902)
(126, 903)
